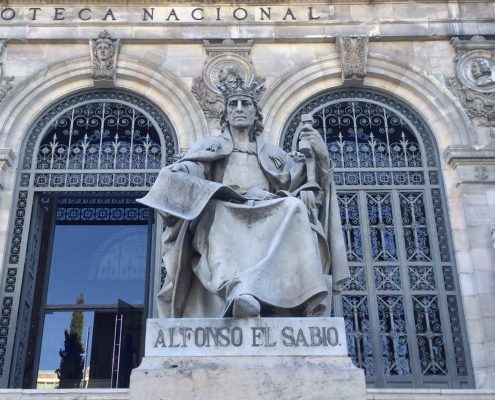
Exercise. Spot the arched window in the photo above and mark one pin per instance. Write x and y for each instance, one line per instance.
(81, 246)
(401, 306)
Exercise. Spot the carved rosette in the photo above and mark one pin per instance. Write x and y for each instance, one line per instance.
(5, 81)
(226, 60)
(103, 52)
(353, 57)
(474, 82)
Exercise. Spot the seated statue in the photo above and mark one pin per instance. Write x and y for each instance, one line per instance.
(251, 230)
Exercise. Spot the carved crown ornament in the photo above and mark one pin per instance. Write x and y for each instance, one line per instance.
(353, 57)
(103, 52)
(5, 81)
(227, 61)
(474, 80)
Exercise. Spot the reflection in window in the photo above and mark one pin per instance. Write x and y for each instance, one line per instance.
(103, 262)
(96, 267)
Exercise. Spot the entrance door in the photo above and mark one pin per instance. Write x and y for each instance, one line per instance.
(93, 272)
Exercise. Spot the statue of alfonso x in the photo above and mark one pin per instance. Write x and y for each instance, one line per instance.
(251, 230)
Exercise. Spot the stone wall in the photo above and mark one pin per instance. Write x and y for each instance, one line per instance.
(409, 55)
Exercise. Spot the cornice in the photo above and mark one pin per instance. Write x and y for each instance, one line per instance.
(4, 3)
(468, 155)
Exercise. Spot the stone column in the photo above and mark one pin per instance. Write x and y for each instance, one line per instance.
(475, 252)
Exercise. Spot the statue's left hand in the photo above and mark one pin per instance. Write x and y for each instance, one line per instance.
(317, 144)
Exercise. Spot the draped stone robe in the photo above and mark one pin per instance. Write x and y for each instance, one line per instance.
(269, 241)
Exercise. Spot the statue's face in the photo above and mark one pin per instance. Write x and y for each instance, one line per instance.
(103, 51)
(241, 112)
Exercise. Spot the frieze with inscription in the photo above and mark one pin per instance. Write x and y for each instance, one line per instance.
(70, 14)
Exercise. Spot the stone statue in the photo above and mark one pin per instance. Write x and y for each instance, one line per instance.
(251, 230)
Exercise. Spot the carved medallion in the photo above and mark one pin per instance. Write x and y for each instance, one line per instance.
(224, 68)
(226, 61)
(476, 70)
(474, 82)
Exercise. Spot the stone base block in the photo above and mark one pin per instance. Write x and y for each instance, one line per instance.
(249, 378)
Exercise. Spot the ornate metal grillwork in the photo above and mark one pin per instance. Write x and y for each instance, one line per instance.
(401, 325)
(100, 140)
(100, 211)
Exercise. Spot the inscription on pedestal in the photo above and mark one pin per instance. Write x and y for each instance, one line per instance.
(239, 337)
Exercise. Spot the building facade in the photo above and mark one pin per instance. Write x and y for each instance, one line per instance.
(95, 99)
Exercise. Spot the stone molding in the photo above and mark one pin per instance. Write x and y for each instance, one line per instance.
(371, 394)
(474, 82)
(473, 165)
(468, 155)
(353, 57)
(67, 77)
(436, 105)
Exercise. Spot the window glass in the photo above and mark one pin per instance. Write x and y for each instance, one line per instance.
(104, 263)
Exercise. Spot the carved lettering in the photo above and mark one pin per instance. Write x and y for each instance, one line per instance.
(59, 14)
(82, 14)
(265, 13)
(147, 14)
(240, 14)
(7, 14)
(272, 338)
(236, 336)
(34, 10)
(287, 13)
(109, 14)
(186, 335)
(195, 12)
(288, 335)
(310, 14)
(332, 336)
(160, 339)
(174, 14)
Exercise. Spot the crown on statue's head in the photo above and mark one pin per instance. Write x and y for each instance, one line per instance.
(237, 87)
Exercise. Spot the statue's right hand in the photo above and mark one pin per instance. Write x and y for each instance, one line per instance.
(180, 167)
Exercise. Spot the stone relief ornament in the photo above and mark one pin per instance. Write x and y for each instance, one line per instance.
(5, 81)
(226, 61)
(353, 57)
(474, 81)
(104, 51)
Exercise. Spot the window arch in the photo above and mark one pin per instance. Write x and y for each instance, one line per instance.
(84, 162)
(401, 305)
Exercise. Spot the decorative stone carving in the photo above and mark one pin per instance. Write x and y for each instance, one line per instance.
(6, 161)
(353, 57)
(5, 81)
(474, 82)
(104, 51)
(226, 60)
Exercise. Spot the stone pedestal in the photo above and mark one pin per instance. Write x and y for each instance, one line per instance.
(265, 359)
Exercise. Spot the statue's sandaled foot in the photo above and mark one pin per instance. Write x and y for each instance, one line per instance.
(246, 306)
